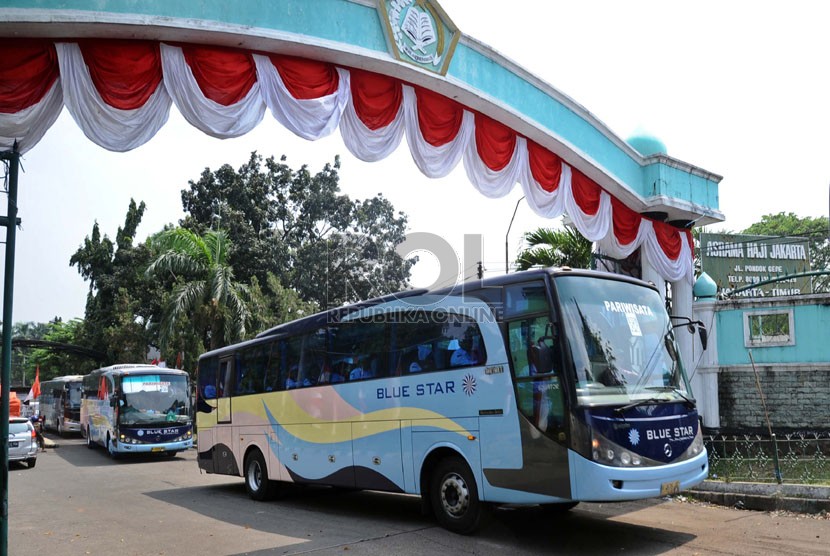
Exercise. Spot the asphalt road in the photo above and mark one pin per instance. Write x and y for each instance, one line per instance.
(79, 502)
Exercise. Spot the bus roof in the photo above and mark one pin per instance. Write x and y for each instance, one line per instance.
(322, 318)
(65, 378)
(136, 369)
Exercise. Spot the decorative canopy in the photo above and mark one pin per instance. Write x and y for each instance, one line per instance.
(120, 92)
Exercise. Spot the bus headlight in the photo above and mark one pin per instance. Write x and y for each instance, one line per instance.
(695, 448)
(609, 453)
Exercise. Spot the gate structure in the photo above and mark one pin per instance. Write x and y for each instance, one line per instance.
(374, 70)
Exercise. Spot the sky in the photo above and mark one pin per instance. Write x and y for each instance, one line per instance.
(739, 89)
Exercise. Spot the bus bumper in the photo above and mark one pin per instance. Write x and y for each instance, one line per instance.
(592, 482)
(126, 448)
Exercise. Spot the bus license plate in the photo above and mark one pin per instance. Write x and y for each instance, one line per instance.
(670, 488)
(157, 449)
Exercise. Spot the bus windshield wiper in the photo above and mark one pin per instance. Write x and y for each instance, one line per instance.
(638, 403)
(686, 399)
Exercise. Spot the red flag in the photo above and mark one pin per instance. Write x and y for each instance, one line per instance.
(34, 391)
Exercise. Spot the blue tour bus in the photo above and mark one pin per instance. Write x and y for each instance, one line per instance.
(133, 408)
(546, 387)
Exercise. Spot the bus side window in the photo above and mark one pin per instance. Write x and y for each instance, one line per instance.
(251, 370)
(271, 376)
(225, 384)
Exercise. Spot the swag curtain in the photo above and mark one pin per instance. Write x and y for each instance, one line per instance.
(120, 94)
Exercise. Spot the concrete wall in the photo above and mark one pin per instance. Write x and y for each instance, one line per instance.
(794, 378)
(797, 397)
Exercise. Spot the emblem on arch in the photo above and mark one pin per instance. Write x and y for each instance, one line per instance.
(419, 32)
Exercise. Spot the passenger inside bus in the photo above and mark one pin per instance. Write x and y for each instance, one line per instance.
(292, 381)
(464, 354)
(362, 369)
(327, 376)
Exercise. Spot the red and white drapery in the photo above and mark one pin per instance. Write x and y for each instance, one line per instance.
(120, 93)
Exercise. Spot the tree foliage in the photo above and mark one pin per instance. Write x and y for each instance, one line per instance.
(120, 300)
(54, 363)
(206, 294)
(298, 226)
(549, 247)
(23, 368)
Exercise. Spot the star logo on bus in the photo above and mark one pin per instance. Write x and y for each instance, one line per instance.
(469, 385)
(634, 437)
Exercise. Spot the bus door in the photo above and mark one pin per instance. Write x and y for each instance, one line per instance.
(536, 360)
(224, 461)
(224, 389)
(538, 373)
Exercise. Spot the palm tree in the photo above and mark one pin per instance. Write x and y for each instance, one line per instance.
(205, 292)
(549, 247)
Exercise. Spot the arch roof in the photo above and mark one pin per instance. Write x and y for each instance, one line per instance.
(522, 129)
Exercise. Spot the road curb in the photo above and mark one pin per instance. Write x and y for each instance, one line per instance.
(805, 499)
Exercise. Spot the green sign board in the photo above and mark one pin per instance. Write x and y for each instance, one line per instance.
(739, 261)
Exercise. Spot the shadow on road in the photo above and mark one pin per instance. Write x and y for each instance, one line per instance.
(587, 529)
(73, 449)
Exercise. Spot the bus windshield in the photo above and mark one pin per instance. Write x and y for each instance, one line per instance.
(621, 343)
(74, 391)
(154, 399)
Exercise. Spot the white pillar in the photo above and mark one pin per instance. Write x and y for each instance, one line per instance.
(681, 306)
(705, 377)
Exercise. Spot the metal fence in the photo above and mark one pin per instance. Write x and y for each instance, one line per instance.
(795, 458)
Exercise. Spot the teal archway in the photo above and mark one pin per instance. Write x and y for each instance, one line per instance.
(355, 66)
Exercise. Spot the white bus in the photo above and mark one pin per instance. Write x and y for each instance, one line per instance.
(60, 403)
(543, 387)
(130, 409)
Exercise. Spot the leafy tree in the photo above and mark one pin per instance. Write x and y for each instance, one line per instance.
(120, 300)
(57, 363)
(791, 225)
(549, 247)
(300, 228)
(23, 369)
(274, 304)
(206, 296)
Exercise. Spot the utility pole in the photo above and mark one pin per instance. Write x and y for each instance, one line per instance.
(506, 254)
(10, 221)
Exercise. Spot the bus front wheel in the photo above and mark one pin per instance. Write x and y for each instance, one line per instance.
(111, 448)
(89, 443)
(454, 496)
(256, 477)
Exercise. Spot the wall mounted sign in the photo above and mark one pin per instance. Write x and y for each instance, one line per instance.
(734, 261)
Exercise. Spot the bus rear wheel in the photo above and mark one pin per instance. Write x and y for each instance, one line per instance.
(89, 443)
(454, 496)
(256, 477)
